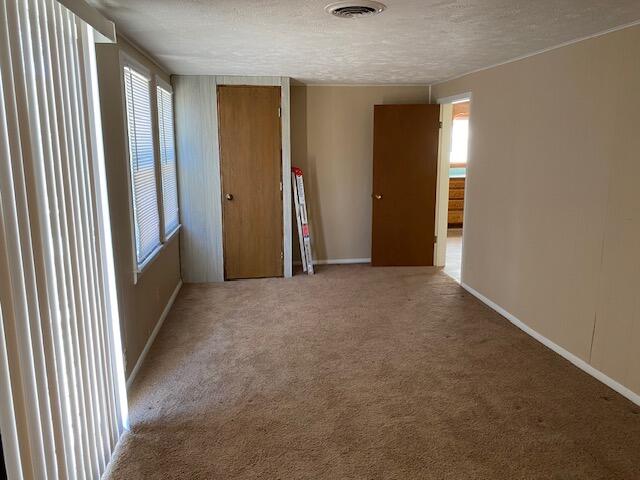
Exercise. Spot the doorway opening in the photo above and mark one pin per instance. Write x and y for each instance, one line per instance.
(455, 115)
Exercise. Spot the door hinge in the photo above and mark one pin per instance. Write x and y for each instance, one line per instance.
(280, 186)
(279, 111)
(435, 239)
(281, 255)
(439, 124)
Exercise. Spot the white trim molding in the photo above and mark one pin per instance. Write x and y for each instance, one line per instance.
(578, 362)
(373, 85)
(287, 226)
(153, 335)
(342, 261)
(442, 185)
(338, 261)
(460, 97)
(105, 28)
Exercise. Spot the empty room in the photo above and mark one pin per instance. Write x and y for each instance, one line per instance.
(246, 239)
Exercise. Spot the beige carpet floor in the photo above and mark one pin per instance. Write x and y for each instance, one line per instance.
(364, 373)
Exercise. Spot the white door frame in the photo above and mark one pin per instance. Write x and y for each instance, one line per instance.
(442, 187)
(442, 184)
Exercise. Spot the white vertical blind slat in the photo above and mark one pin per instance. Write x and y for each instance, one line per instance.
(102, 406)
(115, 359)
(59, 220)
(60, 352)
(84, 299)
(107, 391)
(29, 336)
(74, 253)
(96, 319)
(50, 134)
(7, 426)
(52, 155)
(11, 416)
(47, 278)
(63, 110)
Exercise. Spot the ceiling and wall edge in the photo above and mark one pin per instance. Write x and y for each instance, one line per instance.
(298, 83)
(540, 52)
(319, 84)
(143, 52)
(428, 46)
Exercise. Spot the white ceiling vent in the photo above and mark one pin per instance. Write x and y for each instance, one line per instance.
(355, 9)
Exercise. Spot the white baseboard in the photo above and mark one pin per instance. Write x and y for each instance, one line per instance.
(578, 362)
(338, 261)
(153, 335)
(342, 261)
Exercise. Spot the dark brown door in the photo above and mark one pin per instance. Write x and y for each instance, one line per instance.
(250, 166)
(405, 163)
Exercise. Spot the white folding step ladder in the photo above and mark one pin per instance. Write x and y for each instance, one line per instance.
(303, 220)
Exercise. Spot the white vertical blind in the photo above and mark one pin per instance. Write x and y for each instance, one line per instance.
(142, 164)
(168, 166)
(60, 354)
(7, 419)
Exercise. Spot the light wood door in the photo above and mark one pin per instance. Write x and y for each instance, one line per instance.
(405, 162)
(251, 170)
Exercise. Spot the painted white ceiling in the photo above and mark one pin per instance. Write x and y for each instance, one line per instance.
(413, 41)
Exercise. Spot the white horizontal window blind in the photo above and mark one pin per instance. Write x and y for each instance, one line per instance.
(61, 371)
(142, 164)
(168, 160)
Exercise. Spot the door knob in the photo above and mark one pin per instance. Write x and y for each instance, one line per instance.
(377, 197)
(229, 197)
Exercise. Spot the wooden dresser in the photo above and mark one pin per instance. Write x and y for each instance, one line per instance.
(456, 202)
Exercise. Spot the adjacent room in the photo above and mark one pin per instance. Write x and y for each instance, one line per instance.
(459, 131)
(319, 240)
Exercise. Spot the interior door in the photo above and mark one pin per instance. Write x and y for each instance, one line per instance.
(251, 171)
(405, 163)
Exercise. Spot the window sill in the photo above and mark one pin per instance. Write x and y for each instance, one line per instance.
(172, 234)
(144, 266)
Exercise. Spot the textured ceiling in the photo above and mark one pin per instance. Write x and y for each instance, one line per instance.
(413, 41)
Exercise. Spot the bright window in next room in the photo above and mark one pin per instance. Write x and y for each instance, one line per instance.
(152, 163)
(459, 140)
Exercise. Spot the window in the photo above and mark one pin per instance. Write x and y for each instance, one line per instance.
(152, 158)
(460, 140)
(142, 164)
(167, 160)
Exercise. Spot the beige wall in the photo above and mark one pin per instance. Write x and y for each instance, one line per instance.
(332, 141)
(141, 304)
(552, 227)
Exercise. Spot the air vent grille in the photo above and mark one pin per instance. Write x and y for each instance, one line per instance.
(355, 9)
